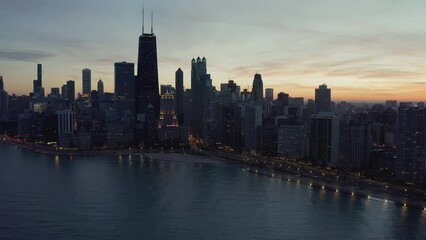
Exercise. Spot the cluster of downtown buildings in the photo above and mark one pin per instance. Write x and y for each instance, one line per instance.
(387, 141)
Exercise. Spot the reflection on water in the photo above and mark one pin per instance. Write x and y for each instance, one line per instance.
(181, 197)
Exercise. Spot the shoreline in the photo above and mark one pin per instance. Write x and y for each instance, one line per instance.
(285, 171)
(361, 187)
(50, 151)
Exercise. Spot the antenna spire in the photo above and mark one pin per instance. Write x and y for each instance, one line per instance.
(143, 18)
(152, 22)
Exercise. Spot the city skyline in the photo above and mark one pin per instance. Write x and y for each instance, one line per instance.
(378, 47)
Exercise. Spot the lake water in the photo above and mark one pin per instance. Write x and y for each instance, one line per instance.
(179, 197)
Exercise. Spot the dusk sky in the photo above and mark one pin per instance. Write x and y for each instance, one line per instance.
(362, 49)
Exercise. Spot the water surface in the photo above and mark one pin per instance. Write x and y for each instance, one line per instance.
(179, 197)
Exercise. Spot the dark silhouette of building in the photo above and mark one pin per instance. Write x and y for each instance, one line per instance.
(292, 141)
(179, 96)
(228, 125)
(269, 94)
(324, 139)
(54, 92)
(229, 92)
(282, 103)
(70, 90)
(4, 99)
(147, 97)
(39, 74)
(124, 80)
(87, 81)
(355, 142)
(252, 122)
(1, 83)
(257, 91)
(411, 145)
(100, 87)
(322, 99)
(37, 84)
(202, 99)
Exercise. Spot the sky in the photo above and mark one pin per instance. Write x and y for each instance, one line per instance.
(364, 50)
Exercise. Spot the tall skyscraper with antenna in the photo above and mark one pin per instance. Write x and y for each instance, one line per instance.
(147, 98)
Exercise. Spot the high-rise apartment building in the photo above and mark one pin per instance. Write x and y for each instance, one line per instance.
(322, 99)
(124, 80)
(70, 90)
(202, 99)
(411, 145)
(257, 91)
(324, 139)
(179, 96)
(269, 94)
(100, 87)
(37, 84)
(4, 99)
(87, 81)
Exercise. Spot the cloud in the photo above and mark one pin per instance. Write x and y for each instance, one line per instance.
(24, 55)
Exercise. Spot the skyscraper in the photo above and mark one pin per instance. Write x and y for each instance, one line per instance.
(147, 98)
(4, 99)
(282, 103)
(70, 90)
(64, 91)
(100, 87)
(124, 80)
(87, 81)
(37, 84)
(39, 74)
(202, 99)
(411, 145)
(229, 92)
(1, 83)
(269, 94)
(257, 91)
(322, 99)
(324, 140)
(179, 96)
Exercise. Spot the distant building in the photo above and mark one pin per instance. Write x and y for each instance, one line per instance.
(70, 90)
(228, 125)
(292, 141)
(54, 92)
(282, 103)
(65, 128)
(203, 94)
(4, 100)
(168, 117)
(65, 122)
(324, 139)
(411, 146)
(322, 99)
(124, 80)
(269, 94)
(180, 96)
(100, 87)
(391, 104)
(38, 90)
(252, 122)
(87, 81)
(167, 89)
(64, 91)
(257, 91)
(147, 97)
(229, 92)
(355, 142)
